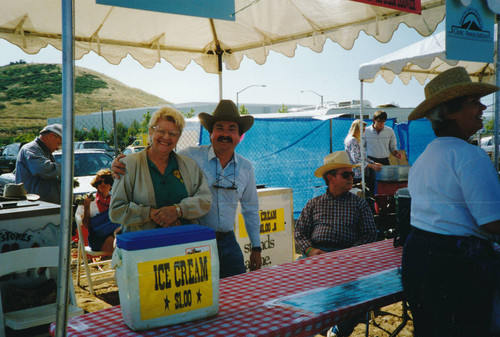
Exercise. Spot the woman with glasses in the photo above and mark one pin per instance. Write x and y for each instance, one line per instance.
(94, 213)
(160, 187)
(352, 146)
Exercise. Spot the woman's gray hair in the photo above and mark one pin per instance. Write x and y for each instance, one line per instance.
(438, 115)
(170, 114)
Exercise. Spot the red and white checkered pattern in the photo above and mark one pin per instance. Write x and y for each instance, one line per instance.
(246, 307)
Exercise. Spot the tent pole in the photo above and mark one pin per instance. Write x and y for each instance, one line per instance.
(64, 274)
(362, 141)
(497, 101)
(219, 64)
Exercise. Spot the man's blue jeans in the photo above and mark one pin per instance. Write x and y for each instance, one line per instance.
(231, 260)
(449, 282)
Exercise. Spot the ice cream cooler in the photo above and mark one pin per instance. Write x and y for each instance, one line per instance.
(167, 276)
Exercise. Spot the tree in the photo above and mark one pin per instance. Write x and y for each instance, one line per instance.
(121, 136)
(283, 109)
(145, 122)
(189, 114)
(243, 110)
(489, 126)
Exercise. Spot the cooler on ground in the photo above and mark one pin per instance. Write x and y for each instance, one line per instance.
(167, 276)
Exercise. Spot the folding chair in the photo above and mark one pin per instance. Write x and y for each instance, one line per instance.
(23, 260)
(85, 253)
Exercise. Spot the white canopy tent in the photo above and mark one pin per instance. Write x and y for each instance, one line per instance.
(423, 61)
(78, 27)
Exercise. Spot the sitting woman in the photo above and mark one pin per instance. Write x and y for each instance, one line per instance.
(353, 148)
(94, 214)
(160, 188)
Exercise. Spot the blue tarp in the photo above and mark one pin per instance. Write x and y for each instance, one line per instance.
(286, 152)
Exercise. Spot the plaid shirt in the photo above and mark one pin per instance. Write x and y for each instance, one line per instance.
(340, 222)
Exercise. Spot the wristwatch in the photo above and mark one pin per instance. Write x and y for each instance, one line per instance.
(179, 210)
(256, 249)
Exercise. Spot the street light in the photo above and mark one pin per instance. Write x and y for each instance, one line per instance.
(314, 92)
(253, 85)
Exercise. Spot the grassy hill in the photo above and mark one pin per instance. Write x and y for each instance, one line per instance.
(31, 93)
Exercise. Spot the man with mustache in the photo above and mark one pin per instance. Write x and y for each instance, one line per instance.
(230, 179)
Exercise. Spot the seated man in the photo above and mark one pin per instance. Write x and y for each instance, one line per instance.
(336, 219)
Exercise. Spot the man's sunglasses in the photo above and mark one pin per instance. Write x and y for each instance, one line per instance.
(347, 174)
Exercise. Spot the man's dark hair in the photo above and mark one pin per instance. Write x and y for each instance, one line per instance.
(380, 115)
(331, 172)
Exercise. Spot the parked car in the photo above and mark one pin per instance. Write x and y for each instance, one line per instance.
(8, 158)
(132, 149)
(86, 165)
(487, 144)
(95, 144)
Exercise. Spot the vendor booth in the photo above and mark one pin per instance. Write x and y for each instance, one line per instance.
(276, 227)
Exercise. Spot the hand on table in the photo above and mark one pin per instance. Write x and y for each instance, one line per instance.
(316, 251)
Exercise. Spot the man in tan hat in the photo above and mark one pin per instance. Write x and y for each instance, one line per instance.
(231, 179)
(450, 271)
(37, 168)
(336, 219)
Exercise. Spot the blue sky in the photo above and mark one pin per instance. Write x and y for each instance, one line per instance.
(332, 73)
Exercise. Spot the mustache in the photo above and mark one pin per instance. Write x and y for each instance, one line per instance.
(224, 138)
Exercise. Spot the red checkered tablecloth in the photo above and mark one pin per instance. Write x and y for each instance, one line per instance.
(251, 304)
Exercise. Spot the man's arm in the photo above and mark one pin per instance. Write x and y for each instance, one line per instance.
(367, 226)
(250, 211)
(41, 166)
(393, 145)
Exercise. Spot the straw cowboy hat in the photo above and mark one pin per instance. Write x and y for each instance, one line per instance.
(334, 161)
(226, 110)
(452, 83)
(13, 192)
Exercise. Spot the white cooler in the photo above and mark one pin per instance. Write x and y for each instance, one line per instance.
(167, 276)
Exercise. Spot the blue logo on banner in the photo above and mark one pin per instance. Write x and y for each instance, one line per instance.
(469, 29)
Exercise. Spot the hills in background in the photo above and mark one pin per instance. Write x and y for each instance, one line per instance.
(31, 93)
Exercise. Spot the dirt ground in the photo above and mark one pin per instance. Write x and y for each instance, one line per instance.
(387, 319)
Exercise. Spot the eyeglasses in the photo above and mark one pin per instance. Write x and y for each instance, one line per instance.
(347, 174)
(218, 181)
(162, 133)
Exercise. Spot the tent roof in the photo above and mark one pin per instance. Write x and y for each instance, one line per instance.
(260, 26)
(422, 60)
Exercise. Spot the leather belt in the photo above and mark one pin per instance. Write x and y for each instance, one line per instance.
(221, 235)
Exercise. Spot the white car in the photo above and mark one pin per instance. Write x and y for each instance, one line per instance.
(132, 149)
(487, 144)
(86, 165)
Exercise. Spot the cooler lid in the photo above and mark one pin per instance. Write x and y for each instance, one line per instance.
(163, 237)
